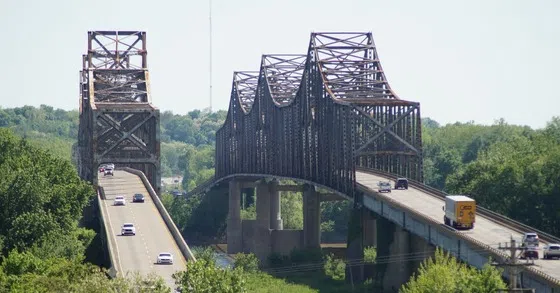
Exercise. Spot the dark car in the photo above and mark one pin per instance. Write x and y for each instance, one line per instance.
(530, 253)
(138, 198)
(401, 183)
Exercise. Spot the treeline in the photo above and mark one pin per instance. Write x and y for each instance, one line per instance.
(510, 169)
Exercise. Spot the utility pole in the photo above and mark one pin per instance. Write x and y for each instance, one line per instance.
(514, 266)
(210, 50)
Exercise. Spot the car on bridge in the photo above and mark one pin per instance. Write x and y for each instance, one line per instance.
(108, 171)
(384, 186)
(119, 200)
(551, 250)
(530, 252)
(401, 183)
(530, 239)
(165, 257)
(128, 229)
(138, 197)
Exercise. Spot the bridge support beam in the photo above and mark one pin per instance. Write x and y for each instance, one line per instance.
(262, 235)
(234, 231)
(276, 222)
(311, 217)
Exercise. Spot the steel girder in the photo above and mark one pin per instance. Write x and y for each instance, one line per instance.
(118, 123)
(318, 116)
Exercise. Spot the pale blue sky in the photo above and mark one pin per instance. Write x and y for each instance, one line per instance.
(462, 60)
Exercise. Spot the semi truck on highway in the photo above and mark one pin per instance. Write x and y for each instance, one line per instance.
(460, 211)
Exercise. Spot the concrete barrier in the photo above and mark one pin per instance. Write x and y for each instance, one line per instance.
(183, 247)
(109, 239)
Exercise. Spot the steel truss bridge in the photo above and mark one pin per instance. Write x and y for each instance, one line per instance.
(118, 123)
(318, 116)
(330, 118)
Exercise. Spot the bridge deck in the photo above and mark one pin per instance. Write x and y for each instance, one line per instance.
(139, 252)
(485, 230)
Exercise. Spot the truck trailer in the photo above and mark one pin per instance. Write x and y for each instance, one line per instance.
(460, 211)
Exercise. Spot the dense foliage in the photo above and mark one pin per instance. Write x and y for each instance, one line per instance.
(42, 246)
(443, 273)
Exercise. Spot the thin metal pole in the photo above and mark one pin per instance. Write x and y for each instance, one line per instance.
(210, 32)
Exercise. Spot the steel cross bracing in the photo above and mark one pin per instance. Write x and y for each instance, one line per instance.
(318, 116)
(118, 123)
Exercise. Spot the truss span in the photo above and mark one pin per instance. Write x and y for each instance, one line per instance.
(320, 115)
(118, 123)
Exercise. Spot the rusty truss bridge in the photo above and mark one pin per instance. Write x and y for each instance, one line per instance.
(118, 123)
(318, 116)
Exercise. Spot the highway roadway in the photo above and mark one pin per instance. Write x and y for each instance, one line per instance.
(139, 252)
(485, 230)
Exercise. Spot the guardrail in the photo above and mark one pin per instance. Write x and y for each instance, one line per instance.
(109, 239)
(183, 247)
(505, 221)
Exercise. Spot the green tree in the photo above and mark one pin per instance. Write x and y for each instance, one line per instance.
(443, 273)
(204, 277)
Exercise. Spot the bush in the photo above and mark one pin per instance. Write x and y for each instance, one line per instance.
(334, 268)
(204, 277)
(370, 254)
(204, 253)
(246, 262)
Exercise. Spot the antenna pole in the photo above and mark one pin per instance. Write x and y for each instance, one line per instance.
(210, 52)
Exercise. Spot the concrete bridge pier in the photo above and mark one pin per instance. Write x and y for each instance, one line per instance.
(311, 217)
(398, 269)
(234, 231)
(262, 234)
(276, 222)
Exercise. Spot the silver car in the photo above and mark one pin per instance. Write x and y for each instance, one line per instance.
(552, 250)
(384, 187)
(530, 239)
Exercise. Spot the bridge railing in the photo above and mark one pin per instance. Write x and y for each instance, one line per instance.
(110, 242)
(505, 221)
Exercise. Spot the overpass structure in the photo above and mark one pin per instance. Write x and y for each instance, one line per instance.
(120, 125)
(328, 119)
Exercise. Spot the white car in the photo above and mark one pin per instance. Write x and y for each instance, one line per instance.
(165, 257)
(384, 187)
(128, 228)
(119, 200)
(551, 250)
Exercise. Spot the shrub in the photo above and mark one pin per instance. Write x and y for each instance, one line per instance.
(334, 268)
(247, 262)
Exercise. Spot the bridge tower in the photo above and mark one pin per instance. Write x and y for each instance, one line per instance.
(118, 123)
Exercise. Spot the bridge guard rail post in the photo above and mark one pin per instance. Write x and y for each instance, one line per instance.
(109, 239)
(185, 250)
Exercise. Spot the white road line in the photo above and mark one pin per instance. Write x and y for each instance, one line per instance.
(113, 235)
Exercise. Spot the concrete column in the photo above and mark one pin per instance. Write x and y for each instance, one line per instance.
(398, 269)
(311, 217)
(234, 232)
(422, 249)
(262, 242)
(370, 228)
(276, 222)
(355, 246)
